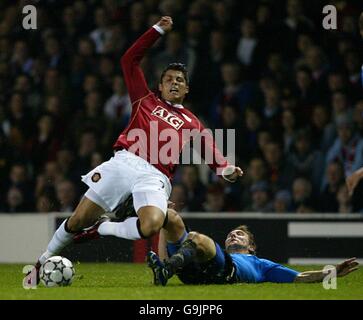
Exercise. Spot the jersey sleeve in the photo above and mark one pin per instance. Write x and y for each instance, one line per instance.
(274, 272)
(130, 64)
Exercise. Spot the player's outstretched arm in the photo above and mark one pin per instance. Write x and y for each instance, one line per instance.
(342, 270)
(353, 179)
(130, 61)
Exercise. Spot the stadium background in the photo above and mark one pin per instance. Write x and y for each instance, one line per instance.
(290, 88)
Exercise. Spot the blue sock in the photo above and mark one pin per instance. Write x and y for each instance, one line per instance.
(173, 247)
(185, 255)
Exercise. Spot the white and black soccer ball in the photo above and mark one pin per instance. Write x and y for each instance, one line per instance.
(56, 271)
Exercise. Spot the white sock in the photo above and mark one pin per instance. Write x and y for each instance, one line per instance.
(61, 239)
(126, 229)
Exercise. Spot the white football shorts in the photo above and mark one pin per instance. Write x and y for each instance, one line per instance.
(126, 173)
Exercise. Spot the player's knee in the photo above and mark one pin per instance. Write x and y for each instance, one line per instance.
(196, 237)
(200, 240)
(151, 225)
(175, 222)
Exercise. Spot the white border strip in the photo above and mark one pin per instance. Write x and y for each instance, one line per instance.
(321, 261)
(325, 229)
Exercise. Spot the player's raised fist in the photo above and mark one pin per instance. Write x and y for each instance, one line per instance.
(165, 23)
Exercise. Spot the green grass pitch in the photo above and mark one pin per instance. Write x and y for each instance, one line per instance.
(134, 282)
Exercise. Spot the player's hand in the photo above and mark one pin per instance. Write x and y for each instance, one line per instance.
(347, 267)
(353, 180)
(232, 173)
(165, 23)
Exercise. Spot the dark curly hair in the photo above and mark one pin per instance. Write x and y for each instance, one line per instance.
(178, 67)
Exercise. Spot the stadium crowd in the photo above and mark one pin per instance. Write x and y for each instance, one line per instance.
(290, 88)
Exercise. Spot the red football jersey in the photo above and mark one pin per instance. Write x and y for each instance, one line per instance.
(152, 117)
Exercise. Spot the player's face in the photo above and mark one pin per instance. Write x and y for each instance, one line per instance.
(173, 86)
(237, 239)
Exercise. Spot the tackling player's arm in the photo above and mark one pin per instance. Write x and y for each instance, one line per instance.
(130, 61)
(342, 270)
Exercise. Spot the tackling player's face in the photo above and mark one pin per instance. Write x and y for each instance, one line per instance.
(237, 240)
(173, 86)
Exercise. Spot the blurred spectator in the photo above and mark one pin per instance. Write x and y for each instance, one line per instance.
(248, 139)
(250, 50)
(256, 172)
(282, 201)
(322, 129)
(54, 83)
(96, 159)
(46, 203)
(88, 144)
(234, 90)
(328, 201)
(264, 137)
(348, 147)
(316, 62)
(91, 118)
(47, 179)
(195, 189)
(66, 164)
(289, 126)
(271, 110)
(304, 160)
(137, 20)
(179, 197)
(44, 145)
(15, 202)
(261, 201)
(276, 68)
(118, 107)
(54, 55)
(19, 179)
(66, 196)
(302, 197)
(340, 105)
(306, 91)
(280, 173)
(21, 61)
(215, 200)
(102, 34)
(17, 124)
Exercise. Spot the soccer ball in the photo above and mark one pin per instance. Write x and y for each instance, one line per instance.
(56, 271)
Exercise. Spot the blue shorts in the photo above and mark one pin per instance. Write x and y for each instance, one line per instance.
(215, 271)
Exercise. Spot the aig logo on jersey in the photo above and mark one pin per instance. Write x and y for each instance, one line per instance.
(168, 117)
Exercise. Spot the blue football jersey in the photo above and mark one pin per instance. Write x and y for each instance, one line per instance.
(250, 268)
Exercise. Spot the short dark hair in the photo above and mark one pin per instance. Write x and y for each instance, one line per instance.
(178, 67)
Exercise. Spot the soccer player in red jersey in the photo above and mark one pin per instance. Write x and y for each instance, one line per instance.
(137, 167)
